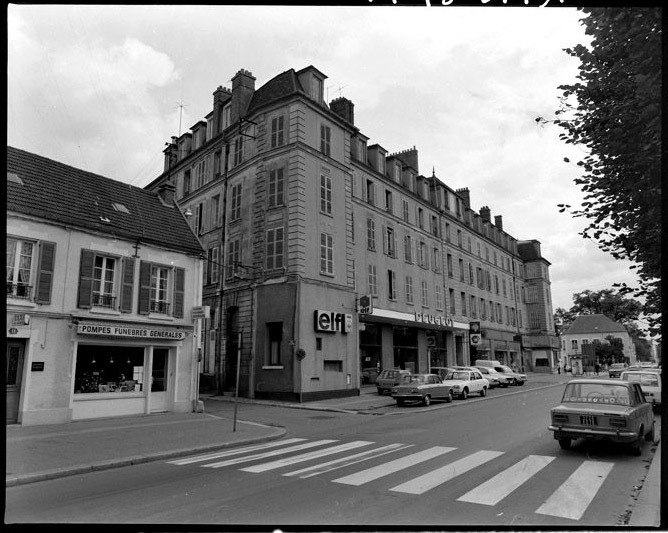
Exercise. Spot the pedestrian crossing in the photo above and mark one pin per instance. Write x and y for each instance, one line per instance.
(569, 500)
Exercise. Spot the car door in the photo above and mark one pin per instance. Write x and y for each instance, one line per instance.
(647, 416)
(479, 380)
(436, 386)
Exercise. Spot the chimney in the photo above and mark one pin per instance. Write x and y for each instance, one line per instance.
(466, 196)
(243, 87)
(343, 108)
(166, 193)
(485, 214)
(171, 153)
(498, 222)
(409, 157)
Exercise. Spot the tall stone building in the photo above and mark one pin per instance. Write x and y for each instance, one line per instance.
(327, 254)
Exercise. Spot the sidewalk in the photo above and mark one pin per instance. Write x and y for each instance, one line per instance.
(37, 453)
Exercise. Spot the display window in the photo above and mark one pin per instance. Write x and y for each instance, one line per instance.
(102, 369)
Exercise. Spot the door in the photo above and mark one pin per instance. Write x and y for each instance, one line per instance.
(160, 380)
(13, 373)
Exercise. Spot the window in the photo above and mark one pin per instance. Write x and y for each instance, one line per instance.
(391, 285)
(325, 139)
(274, 248)
(389, 203)
(235, 202)
(425, 294)
(585, 341)
(233, 257)
(212, 271)
(19, 268)
(120, 369)
(326, 254)
(447, 232)
(420, 218)
(496, 284)
(461, 270)
(505, 291)
(329, 365)
(499, 314)
(325, 194)
(480, 278)
(276, 187)
(186, 183)
(103, 281)
(451, 296)
(405, 210)
(217, 158)
(491, 311)
(373, 281)
(159, 288)
(459, 238)
(199, 218)
(201, 175)
(434, 225)
(390, 242)
(463, 299)
(470, 274)
(215, 211)
(574, 344)
(408, 249)
(449, 265)
(238, 150)
(370, 193)
(439, 297)
(436, 259)
(483, 309)
(472, 307)
(227, 116)
(277, 131)
(370, 234)
(274, 340)
(423, 260)
(409, 289)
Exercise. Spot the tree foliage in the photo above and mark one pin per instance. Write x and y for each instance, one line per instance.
(606, 302)
(617, 119)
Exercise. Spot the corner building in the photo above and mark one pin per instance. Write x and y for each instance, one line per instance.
(327, 254)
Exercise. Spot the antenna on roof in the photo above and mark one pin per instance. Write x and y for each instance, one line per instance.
(180, 105)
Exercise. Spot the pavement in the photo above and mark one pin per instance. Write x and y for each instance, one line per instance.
(38, 453)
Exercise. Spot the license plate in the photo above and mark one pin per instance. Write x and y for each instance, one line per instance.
(588, 420)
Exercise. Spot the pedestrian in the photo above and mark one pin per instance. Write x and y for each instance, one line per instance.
(597, 367)
(559, 369)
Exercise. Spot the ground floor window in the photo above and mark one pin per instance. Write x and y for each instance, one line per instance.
(102, 368)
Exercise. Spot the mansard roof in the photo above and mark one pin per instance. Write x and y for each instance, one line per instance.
(278, 87)
(70, 196)
(594, 324)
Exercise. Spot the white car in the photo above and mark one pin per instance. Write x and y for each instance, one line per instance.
(650, 383)
(465, 382)
(495, 378)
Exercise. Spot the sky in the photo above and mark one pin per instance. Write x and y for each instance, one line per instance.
(103, 88)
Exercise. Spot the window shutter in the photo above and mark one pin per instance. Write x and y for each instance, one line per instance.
(127, 285)
(144, 288)
(85, 297)
(384, 237)
(179, 287)
(47, 256)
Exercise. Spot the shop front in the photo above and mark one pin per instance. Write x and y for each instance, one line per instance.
(129, 369)
(411, 341)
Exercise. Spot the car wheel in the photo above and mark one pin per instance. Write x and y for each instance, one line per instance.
(635, 448)
(426, 401)
(505, 385)
(449, 398)
(565, 444)
(649, 436)
(520, 382)
(400, 402)
(464, 394)
(513, 382)
(483, 392)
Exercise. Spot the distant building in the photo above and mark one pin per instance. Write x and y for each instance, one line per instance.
(327, 254)
(102, 279)
(588, 329)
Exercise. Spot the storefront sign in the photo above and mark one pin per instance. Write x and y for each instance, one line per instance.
(130, 331)
(332, 322)
(202, 311)
(37, 366)
(436, 320)
(366, 305)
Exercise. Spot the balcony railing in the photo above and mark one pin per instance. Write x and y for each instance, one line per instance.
(104, 300)
(160, 307)
(19, 290)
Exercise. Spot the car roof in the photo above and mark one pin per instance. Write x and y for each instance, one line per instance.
(599, 381)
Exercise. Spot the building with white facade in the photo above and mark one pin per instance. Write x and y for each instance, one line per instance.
(327, 254)
(102, 279)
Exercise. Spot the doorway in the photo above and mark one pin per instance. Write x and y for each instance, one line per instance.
(13, 374)
(160, 380)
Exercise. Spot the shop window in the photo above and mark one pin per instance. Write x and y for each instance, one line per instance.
(102, 368)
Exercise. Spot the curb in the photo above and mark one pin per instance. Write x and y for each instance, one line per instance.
(23, 479)
(647, 510)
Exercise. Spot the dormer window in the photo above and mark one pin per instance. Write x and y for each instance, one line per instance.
(316, 89)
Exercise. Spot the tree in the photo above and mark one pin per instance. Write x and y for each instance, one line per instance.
(617, 119)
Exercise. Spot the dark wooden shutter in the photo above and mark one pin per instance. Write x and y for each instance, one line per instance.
(179, 290)
(85, 298)
(144, 288)
(127, 285)
(47, 259)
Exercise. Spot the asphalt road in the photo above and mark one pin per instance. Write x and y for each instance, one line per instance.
(480, 462)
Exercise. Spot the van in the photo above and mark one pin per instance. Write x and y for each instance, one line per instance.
(486, 362)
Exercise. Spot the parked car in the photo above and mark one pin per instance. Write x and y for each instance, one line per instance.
(465, 382)
(650, 383)
(369, 375)
(495, 378)
(516, 378)
(616, 369)
(441, 371)
(421, 387)
(389, 378)
(603, 410)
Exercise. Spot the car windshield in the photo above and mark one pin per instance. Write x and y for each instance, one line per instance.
(617, 365)
(458, 375)
(415, 378)
(644, 379)
(596, 393)
(504, 369)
